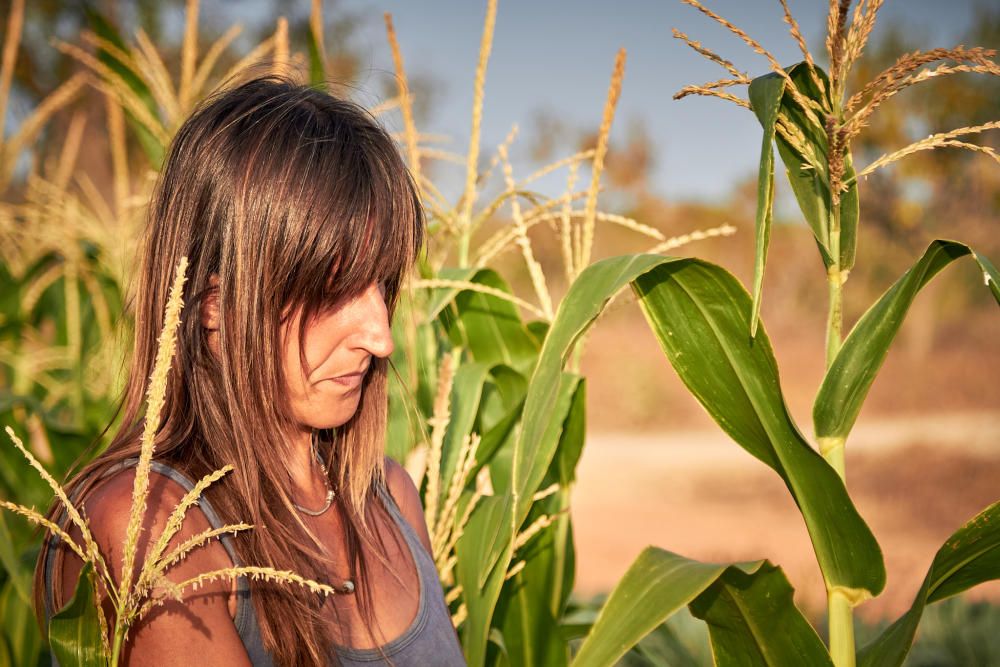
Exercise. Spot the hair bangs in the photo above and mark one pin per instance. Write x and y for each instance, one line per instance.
(369, 227)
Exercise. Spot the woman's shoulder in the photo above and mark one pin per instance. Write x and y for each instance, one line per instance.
(109, 505)
(202, 616)
(407, 497)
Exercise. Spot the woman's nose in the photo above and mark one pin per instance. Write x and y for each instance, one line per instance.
(375, 334)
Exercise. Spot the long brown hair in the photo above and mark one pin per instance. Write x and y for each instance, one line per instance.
(296, 199)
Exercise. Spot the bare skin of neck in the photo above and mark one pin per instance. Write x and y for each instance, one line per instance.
(310, 488)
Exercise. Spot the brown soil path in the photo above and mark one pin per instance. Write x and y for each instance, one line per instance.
(696, 493)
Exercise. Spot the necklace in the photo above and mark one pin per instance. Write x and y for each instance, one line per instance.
(348, 585)
(326, 480)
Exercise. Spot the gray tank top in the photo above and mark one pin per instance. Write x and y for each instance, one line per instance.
(429, 640)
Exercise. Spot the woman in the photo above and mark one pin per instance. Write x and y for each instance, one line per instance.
(299, 219)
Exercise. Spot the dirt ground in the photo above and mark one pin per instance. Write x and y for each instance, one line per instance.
(914, 479)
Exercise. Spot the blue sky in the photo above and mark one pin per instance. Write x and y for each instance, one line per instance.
(559, 57)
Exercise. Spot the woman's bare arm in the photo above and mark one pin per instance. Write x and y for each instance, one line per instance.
(196, 631)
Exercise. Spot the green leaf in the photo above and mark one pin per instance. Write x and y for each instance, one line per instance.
(484, 557)
(490, 327)
(74, 632)
(573, 436)
(765, 98)
(970, 557)
(480, 581)
(18, 576)
(811, 186)
(753, 621)
(533, 600)
(441, 297)
(466, 391)
(20, 632)
(748, 607)
(698, 312)
(853, 371)
(317, 61)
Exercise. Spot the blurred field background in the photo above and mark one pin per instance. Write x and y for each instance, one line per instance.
(656, 470)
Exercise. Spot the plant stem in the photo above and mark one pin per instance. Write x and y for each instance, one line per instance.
(463, 248)
(839, 610)
(116, 648)
(841, 630)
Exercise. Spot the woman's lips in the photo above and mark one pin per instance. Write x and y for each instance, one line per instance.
(350, 380)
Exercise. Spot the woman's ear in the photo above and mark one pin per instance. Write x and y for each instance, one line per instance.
(209, 310)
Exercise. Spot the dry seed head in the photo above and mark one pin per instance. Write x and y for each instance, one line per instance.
(155, 397)
(453, 594)
(546, 492)
(522, 240)
(708, 92)
(573, 162)
(189, 53)
(614, 90)
(907, 63)
(219, 46)
(31, 126)
(181, 551)
(466, 462)
(809, 107)
(93, 553)
(934, 141)
(710, 55)
(459, 616)
(439, 424)
(156, 75)
(256, 54)
(697, 235)
(514, 569)
(796, 32)
(12, 39)
(406, 104)
(281, 47)
(565, 229)
(861, 27)
(176, 518)
(859, 121)
(536, 527)
(485, 46)
(836, 39)
(35, 517)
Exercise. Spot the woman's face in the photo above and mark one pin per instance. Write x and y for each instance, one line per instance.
(339, 345)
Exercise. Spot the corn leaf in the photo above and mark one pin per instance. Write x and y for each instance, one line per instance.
(698, 312)
(481, 579)
(485, 549)
(853, 371)
(970, 557)
(765, 99)
(19, 629)
(490, 327)
(74, 632)
(753, 621)
(809, 184)
(466, 392)
(748, 607)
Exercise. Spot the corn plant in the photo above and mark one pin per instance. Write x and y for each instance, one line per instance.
(709, 328)
(496, 490)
